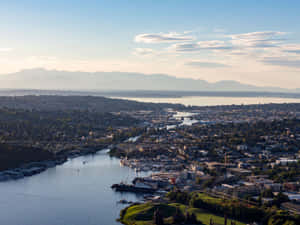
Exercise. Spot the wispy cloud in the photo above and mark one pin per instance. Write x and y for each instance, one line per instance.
(163, 37)
(214, 45)
(144, 52)
(282, 61)
(184, 47)
(201, 45)
(267, 47)
(259, 35)
(291, 48)
(263, 39)
(243, 41)
(204, 64)
(296, 51)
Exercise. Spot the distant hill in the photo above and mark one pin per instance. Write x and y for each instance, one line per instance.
(106, 81)
(82, 103)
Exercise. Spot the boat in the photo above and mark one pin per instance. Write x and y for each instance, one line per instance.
(132, 188)
(124, 201)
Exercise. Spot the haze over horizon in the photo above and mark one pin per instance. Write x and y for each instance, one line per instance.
(43, 79)
(254, 43)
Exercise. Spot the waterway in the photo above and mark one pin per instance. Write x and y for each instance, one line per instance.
(211, 101)
(75, 193)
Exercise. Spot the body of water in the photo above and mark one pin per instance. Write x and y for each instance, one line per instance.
(211, 101)
(75, 193)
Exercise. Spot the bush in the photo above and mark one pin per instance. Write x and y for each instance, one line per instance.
(231, 208)
(179, 197)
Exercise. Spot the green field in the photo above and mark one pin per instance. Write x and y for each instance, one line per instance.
(142, 214)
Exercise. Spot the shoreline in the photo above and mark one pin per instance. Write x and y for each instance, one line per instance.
(33, 168)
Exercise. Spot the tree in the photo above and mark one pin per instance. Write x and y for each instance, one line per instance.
(178, 217)
(158, 218)
(267, 193)
(280, 198)
(191, 219)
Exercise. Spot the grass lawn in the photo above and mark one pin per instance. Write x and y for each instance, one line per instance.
(202, 215)
(208, 198)
(142, 214)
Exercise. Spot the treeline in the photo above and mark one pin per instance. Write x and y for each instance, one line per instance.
(32, 135)
(56, 126)
(234, 209)
(15, 156)
(82, 103)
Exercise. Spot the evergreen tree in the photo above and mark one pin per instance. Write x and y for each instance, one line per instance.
(178, 217)
(158, 218)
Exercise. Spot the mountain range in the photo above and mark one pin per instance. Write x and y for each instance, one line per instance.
(43, 79)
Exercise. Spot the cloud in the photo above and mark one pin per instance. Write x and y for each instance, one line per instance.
(143, 51)
(205, 64)
(184, 47)
(201, 45)
(257, 35)
(263, 39)
(296, 51)
(254, 40)
(214, 45)
(291, 48)
(6, 49)
(262, 47)
(282, 61)
(243, 43)
(163, 38)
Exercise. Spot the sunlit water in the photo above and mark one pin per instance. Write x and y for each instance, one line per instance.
(210, 101)
(75, 193)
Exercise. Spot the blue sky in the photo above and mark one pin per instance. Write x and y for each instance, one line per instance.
(255, 42)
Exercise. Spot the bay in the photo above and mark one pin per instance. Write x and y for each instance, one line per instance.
(212, 101)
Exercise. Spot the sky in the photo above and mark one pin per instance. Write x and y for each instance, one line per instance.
(255, 42)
